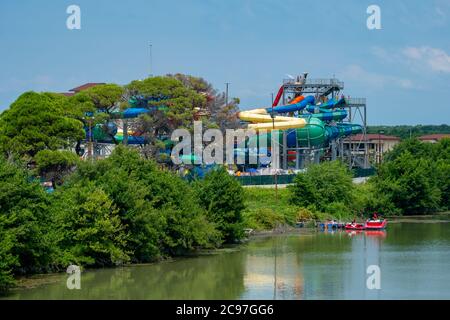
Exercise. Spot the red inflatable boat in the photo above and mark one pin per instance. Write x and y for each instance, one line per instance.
(375, 224)
(354, 226)
(369, 225)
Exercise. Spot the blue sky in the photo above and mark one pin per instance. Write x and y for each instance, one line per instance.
(403, 69)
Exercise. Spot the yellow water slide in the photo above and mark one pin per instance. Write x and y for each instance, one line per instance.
(261, 120)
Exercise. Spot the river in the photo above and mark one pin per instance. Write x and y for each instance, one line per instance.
(413, 256)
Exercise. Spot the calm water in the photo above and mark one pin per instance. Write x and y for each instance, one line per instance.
(414, 259)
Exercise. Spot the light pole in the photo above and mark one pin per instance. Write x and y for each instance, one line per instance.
(89, 119)
(272, 115)
(151, 61)
(380, 132)
(226, 93)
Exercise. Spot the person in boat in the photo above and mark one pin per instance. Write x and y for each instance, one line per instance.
(375, 216)
(354, 222)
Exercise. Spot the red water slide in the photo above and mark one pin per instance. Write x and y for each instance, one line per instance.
(278, 97)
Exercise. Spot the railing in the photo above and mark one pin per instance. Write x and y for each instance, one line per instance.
(289, 178)
(315, 82)
(265, 179)
(356, 101)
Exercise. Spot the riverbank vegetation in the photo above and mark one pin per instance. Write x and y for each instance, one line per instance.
(123, 209)
(127, 208)
(413, 179)
(130, 208)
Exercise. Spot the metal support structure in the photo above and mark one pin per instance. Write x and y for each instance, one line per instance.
(318, 87)
(285, 150)
(357, 113)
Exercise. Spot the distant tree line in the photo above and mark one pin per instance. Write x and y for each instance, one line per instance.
(405, 131)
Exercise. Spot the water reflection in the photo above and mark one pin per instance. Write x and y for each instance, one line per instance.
(413, 258)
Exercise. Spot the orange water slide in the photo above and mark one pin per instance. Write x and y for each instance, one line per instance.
(297, 99)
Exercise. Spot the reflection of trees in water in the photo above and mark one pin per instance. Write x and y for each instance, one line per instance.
(415, 233)
(209, 277)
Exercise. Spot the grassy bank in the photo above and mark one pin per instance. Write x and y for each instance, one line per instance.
(265, 209)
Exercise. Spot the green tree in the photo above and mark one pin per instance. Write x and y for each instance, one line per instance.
(25, 223)
(222, 197)
(54, 165)
(89, 227)
(323, 184)
(105, 98)
(8, 261)
(35, 122)
(176, 109)
(442, 156)
(413, 146)
(405, 131)
(157, 208)
(218, 113)
(181, 102)
(410, 183)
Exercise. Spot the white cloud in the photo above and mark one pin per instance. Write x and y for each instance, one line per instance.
(440, 12)
(375, 80)
(435, 59)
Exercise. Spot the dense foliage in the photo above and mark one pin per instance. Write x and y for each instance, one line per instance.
(35, 122)
(326, 187)
(415, 177)
(54, 165)
(108, 212)
(25, 244)
(221, 196)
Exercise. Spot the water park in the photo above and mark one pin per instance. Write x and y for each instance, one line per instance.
(213, 173)
(314, 122)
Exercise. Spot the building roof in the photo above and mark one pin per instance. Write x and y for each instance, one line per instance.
(68, 94)
(373, 136)
(436, 137)
(86, 86)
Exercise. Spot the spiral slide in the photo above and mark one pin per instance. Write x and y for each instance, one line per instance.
(261, 120)
(314, 128)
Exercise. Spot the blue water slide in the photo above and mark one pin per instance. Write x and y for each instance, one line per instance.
(330, 104)
(136, 140)
(332, 132)
(293, 107)
(134, 112)
(347, 129)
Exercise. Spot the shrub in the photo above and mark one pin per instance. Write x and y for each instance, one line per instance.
(322, 184)
(24, 224)
(409, 183)
(263, 219)
(159, 210)
(222, 197)
(90, 230)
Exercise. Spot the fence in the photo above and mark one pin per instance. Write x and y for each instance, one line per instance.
(289, 178)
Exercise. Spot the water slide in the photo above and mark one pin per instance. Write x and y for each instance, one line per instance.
(278, 97)
(313, 129)
(261, 120)
(110, 133)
